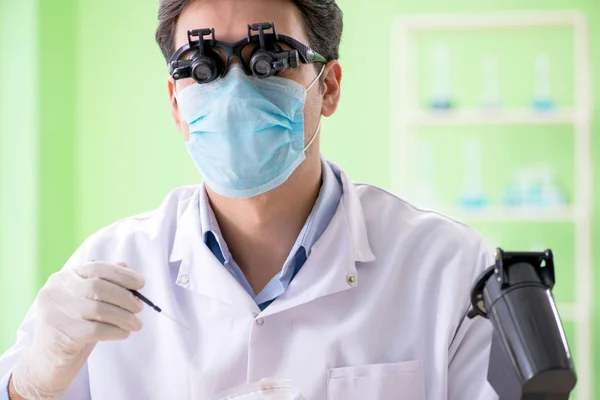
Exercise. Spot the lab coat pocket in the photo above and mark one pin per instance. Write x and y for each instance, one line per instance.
(403, 380)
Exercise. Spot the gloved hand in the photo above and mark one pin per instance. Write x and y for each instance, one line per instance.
(76, 308)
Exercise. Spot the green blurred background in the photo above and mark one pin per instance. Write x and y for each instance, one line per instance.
(86, 136)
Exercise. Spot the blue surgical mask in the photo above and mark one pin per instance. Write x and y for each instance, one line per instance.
(246, 133)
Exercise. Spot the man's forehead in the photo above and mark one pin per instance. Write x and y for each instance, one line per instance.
(230, 18)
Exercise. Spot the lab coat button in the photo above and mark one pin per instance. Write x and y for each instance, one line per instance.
(351, 279)
(185, 279)
(260, 322)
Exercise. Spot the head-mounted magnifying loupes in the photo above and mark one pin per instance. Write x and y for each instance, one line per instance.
(262, 55)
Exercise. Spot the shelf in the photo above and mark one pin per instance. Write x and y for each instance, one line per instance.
(500, 214)
(490, 117)
(408, 120)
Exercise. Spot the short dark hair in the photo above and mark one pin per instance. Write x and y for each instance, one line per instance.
(322, 19)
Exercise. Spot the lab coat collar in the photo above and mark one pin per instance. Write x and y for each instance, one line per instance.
(187, 227)
(355, 217)
(200, 271)
(332, 262)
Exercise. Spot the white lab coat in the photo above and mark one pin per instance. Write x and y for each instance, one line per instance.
(377, 311)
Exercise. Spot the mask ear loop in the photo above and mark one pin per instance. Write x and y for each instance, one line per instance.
(175, 92)
(319, 124)
(316, 79)
(314, 136)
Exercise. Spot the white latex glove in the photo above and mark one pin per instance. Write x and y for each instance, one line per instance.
(76, 309)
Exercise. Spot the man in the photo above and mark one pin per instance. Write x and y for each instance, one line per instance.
(278, 266)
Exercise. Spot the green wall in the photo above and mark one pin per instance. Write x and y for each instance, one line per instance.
(57, 104)
(18, 163)
(86, 135)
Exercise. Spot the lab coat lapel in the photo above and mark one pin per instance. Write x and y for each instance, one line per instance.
(332, 264)
(200, 271)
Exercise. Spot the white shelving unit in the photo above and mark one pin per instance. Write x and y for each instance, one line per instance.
(490, 117)
(406, 122)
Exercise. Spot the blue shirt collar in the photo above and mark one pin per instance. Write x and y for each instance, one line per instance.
(210, 226)
(325, 206)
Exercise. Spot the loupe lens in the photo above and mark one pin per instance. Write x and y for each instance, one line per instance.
(204, 72)
(262, 67)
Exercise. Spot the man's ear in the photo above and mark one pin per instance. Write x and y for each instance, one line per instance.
(332, 81)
